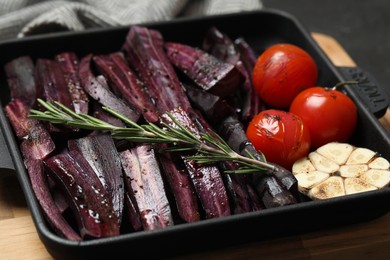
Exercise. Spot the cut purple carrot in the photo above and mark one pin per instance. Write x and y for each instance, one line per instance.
(143, 177)
(210, 105)
(176, 174)
(86, 195)
(20, 78)
(69, 65)
(100, 152)
(131, 212)
(99, 90)
(51, 79)
(51, 211)
(252, 104)
(125, 83)
(36, 142)
(208, 72)
(144, 50)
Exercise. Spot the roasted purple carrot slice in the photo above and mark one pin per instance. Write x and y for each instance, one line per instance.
(20, 78)
(288, 180)
(146, 56)
(176, 174)
(210, 189)
(210, 105)
(208, 72)
(126, 83)
(220, 46)
(99, 90)
(51, 79)
(247, 53)
(98, 112)
(59, 199)
(17, 112)
(131, 212)
(272, 192)
(41, 190)
(256, 203)
(86, 195)
(237, 189)
(252, 103)
(69, 65)
(101, 154)
(36, 142)
(143, 176)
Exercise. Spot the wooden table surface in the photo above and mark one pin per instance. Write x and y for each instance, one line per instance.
(19, 240)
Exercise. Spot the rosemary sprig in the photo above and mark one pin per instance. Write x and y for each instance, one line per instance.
(209, 148)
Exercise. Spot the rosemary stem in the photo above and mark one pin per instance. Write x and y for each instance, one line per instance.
(212, 147)
(256, 162)
(237, 157)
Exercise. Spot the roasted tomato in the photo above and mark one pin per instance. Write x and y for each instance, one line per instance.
(330, 115)
(281, 136)
(281, 72)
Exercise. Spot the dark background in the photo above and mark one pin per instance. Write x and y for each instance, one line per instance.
(362, 27)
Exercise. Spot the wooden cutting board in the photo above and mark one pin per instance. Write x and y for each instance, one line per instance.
(19, 240)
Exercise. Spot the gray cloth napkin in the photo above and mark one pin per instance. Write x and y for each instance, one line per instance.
(20, 18)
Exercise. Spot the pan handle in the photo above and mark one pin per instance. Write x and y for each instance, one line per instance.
(369, 91)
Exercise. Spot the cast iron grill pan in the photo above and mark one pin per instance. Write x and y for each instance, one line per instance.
(261, 29)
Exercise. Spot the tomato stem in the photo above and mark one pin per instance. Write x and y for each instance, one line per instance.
(343, 83)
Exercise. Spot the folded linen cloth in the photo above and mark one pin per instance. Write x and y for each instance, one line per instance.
(21, 18)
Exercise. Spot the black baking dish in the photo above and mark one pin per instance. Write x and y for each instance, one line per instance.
(260, 29)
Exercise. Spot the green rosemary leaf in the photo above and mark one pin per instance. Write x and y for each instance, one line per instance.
(177, 149)
(222, 146)
(185, 132)
(123, 118)
(178, 134)
(138, 139)
(160, 132)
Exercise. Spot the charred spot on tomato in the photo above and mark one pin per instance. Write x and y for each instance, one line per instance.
(266, 132)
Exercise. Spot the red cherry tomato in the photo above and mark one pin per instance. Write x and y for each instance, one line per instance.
(329, 114)
(281, 136)
(281, 72)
